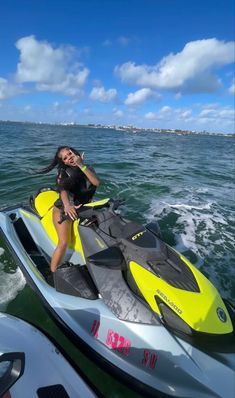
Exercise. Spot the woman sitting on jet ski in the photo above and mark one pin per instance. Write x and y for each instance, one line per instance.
(76, 184)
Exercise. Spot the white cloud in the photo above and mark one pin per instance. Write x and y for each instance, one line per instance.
(118, 113)
(165, 109)
(214, 105)
(151, 116)
(50, 68)
(214, 119)
(71, 84)
(189, 70)
(218, 113)
(208, 113)
(163, 113)
(138, 97)
(123, 41)
(232, 88)
(198, 118)
(102, 95)
(8, 89)
(186, 114)
(227, 113)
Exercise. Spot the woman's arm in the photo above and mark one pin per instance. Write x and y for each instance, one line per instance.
(94, 180)
(78, 161)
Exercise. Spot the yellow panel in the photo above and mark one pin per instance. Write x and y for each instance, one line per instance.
(97, 203)
(198, 310)
(49, 226)
(44, 201)
(44, 205)
(75, 241)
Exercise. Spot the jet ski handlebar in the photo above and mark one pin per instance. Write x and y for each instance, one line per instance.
(84, 212)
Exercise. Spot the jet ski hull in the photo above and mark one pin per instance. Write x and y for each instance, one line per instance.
(134, 345)
(35, 372)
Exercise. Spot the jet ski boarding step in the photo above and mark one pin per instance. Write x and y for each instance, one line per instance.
(75, 280)
(39, 257)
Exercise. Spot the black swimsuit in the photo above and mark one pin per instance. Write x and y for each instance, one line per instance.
(74, 181)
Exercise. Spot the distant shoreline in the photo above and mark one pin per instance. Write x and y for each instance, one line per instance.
(131, 129)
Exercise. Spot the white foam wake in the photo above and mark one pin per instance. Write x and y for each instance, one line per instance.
(206, 206)
(10, 283)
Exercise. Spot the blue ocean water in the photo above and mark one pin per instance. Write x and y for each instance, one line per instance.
(184, 182)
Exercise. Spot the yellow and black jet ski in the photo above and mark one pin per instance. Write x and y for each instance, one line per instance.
(138, 306)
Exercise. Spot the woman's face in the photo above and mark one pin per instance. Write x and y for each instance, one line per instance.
(67, 156)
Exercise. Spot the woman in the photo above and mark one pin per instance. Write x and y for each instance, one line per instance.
(76, 184)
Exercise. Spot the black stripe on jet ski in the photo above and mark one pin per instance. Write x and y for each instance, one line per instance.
(174, 271)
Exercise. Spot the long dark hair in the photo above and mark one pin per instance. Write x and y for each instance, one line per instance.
(56, 161)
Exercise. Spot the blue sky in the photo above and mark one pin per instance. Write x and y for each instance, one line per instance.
(147, 63)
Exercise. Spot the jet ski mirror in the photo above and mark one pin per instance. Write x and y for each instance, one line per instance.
(12, 366)
(115, 203)
(84, 213)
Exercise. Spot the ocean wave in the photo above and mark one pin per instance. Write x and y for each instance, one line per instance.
(202, 233)
(206, 206)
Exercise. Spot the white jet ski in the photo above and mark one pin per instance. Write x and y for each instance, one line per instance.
(32, 367)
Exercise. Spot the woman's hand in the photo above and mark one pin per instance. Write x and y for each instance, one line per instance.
(77, 160)
(70, 210)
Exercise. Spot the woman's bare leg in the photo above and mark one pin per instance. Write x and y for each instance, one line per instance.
(63, 231)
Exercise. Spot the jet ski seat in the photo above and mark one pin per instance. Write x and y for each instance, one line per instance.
(43, 201)
(124, 230)
(115, 226)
